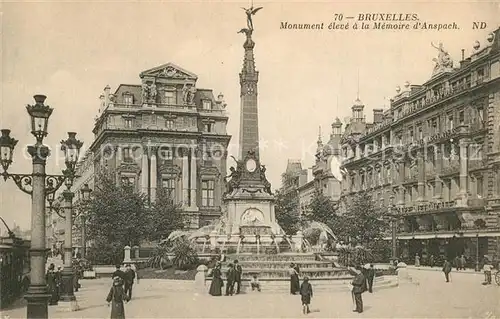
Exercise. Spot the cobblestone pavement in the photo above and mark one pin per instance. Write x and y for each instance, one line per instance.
(464, 297)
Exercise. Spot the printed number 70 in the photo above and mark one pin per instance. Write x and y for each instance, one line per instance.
(338, 17)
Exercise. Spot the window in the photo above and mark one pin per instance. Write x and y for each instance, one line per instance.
(168, 185)
(128, 182)
(166, 154)
(207, 127)
(128, 123)
(479, 186)
(169, 124)
(207, 105)
(207, 192)
(128, 99)
(450, 121)
(480, 113)
(128, 155)
(461, 117)
(410, 135)
(420, 132)
(170, 97)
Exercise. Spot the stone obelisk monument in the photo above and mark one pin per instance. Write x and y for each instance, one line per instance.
(249, 200)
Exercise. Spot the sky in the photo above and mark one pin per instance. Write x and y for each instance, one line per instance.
(70, 51)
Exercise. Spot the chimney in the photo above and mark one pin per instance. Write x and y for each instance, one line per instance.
(378, 116)
(106, 95)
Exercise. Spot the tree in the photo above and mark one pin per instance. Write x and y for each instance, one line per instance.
(165, 216)
(287, 212)
(362, 223)
(117, 217)
(321, 209)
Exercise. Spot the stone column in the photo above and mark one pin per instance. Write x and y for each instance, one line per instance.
(438, 184)
(185, 179)
(126, 251)
(464, 172)
(153, 177)
(144, 173)
(194, 181)
(421, 177)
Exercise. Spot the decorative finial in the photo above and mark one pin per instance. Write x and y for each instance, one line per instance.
(477, 45)
(398, 89)
(490, 37)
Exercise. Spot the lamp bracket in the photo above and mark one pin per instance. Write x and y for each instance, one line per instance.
(25, 182)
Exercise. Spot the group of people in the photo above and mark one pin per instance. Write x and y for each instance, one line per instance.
(233, 278)
(362, 282)
(304, 290)
(121, 291)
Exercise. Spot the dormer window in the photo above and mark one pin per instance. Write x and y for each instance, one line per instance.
(170, 97)
(169, 124)
(207, 105)
(128, 98)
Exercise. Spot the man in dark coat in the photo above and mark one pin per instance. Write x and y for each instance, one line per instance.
(447, 270)
(238, 272)
(129, 280)
(230, 277)
(118, 273)
(370, 275)
(358, 287)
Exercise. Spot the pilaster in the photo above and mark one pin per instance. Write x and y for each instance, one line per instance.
(464, 172)
(185, 179)
(153, 176)
(438, 183)
(144, 173)
(421, 177)
(194, 182)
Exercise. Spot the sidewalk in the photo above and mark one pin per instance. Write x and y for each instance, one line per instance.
(466, 271)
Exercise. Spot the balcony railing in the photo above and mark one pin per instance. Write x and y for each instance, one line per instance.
(476, 202)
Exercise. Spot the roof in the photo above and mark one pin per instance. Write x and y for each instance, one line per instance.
(167, 65)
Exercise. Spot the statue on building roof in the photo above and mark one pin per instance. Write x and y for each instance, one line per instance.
(443, 61)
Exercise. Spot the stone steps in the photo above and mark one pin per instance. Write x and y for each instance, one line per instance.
(288, 257)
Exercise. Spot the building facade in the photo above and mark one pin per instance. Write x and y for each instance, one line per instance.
(433, 158)
(165, 133)
(299, 184)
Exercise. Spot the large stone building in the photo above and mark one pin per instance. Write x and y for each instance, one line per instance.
(435, 156)
(165, 133)
(300, 184)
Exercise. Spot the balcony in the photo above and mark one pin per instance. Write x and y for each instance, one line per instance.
(451, 169)
(477, 164)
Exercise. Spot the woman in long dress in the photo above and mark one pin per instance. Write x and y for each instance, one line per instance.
(116, 297)
(294, 279)
(217, 283)
(51, 278)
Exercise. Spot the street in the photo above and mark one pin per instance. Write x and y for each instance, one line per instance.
(464, 297)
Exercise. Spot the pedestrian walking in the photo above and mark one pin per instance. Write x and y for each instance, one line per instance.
(447, 270)
(487, 268)
(217, 282)
(294, 279)
(238, 272)
(118, 273)
(116, 297)
(417, 260)
(370, 276)
(230, 278)
(358, 287)
(129, 280)
(52, 284)
(306, 293)
(463, 261)
(254, 283)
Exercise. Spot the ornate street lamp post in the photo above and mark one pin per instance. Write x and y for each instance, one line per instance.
(38, 185)
(86, 190)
